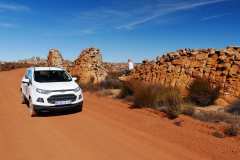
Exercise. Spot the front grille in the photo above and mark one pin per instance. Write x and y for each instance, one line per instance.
(64, 97)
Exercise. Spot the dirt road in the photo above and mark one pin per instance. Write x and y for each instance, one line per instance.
(107, 129)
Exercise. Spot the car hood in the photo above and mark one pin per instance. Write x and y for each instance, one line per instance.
(53, 86)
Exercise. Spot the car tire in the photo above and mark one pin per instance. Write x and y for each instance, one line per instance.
(32, 110)
(80, 108)
(23, 99)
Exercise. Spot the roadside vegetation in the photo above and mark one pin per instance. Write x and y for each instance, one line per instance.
(7, 66)
(170, 101)
(11, 65)
(202, 92)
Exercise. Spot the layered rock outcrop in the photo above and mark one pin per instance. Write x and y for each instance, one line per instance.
(179, 68)
(89, 67)
(55, 58)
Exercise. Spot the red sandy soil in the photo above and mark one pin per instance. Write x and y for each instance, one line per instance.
(107, 129)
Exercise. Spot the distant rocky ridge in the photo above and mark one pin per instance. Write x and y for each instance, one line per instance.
(31, 61)
(34, 61)
(179, 68)
(115, 67)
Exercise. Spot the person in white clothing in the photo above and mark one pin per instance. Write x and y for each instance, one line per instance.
(130, 65)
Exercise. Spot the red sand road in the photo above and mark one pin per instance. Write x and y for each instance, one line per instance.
(107, 129)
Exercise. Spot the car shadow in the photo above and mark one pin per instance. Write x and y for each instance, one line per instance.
(57, 113)
(132, 106)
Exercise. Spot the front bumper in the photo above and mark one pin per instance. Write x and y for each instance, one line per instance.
(40, 108)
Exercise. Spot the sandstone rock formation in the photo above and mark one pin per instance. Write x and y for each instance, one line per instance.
(181, 67)
(89, 67)
(55, 58)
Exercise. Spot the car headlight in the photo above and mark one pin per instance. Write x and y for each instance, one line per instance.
(42, 91)
(77, 89)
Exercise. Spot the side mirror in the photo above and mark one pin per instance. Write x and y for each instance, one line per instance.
(27, 81)
(74, 78)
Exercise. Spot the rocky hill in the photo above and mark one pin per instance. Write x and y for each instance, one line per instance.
(181, 67)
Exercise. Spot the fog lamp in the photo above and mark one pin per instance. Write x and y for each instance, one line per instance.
(80, 96)
(40, 100)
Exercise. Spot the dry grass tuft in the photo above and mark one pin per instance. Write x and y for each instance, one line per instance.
(202, 92)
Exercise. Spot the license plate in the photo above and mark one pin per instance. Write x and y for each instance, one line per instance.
(62, 102)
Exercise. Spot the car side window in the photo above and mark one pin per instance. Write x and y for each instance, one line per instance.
(26, 75)
(30, 75)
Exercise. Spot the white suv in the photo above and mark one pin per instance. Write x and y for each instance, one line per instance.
(50, 89)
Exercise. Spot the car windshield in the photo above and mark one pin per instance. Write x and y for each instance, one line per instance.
(51, 76)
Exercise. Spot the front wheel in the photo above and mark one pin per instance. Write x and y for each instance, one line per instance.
(23, 99)
(32, 110)
(80, 108)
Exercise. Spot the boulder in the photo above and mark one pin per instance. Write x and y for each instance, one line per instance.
(55, 58)
(89, 67)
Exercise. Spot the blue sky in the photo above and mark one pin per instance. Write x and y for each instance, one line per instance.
(122, 29)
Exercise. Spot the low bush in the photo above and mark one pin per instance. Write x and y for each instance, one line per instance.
(218, 134)
(126, 91)
(174, 111)
(157, 96)
(111, 84)
(188, 109)
(12, 65)
(232, 130)
(90, 86)
(202, 92)
(154, 95)
(105, 92)
(234, 108)
(212, 116)
(146, 95)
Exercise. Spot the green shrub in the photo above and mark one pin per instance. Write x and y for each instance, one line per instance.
(202, 92)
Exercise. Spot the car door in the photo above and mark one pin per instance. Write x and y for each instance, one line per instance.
(29, 85)
(24, 85)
